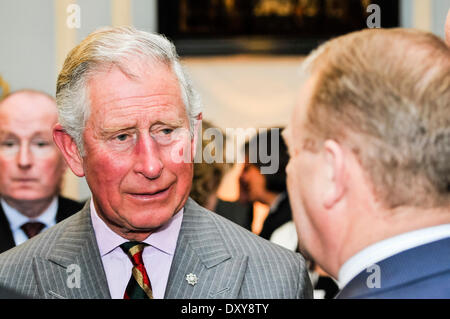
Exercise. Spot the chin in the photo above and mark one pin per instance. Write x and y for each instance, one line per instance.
(27, 196)
(151, 220)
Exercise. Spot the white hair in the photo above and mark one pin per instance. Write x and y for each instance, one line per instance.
(114, 46)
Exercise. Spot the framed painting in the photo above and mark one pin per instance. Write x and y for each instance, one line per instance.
(218, 27)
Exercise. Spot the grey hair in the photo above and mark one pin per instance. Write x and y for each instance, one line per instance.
(390, 106)
(114, 46)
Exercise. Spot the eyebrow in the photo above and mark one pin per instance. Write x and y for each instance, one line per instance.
(10, 134)
(42, 134)
(176, 123)
(105, 132)
(119, 128)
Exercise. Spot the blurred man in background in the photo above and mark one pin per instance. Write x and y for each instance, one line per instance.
(269, 189)
(208, 175)
(31, 168)
(369, 174)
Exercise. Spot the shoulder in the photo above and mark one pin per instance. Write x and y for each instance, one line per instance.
(18, 260)
(419, 272)
(436, 286)
(263, 256)
(237, 238)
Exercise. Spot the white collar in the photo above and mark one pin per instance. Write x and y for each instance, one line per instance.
(387, 248)
(164, 239)
(17, 219)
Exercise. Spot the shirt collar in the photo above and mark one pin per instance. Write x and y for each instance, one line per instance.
(17, 219)
(389, 247)
(164, 239)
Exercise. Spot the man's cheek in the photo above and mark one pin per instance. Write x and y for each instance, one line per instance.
(179, 152)
(106, 171)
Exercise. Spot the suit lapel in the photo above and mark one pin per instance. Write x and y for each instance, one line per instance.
(74, 267)
(201, 251)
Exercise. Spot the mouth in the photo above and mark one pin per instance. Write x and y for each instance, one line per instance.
(25, 180)
(153, 195)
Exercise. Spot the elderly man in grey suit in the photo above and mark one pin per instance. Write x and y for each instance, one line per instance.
(128, 118)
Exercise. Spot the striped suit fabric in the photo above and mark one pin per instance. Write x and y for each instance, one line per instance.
(229, 262)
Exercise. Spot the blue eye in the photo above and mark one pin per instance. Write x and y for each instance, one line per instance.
(122, 137)
(167, 131)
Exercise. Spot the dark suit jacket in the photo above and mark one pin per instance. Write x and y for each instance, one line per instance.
(241, 214)
(66, 208)
(277, 218)
(418, 273)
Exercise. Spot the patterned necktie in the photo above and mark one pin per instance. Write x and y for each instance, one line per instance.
(139, 286)
(32, 228)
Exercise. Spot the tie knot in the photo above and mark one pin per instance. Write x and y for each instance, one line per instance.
(32, 228)
(134, 251)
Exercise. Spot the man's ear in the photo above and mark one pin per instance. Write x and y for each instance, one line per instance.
(447, 28)
(197, 129)
(335, 173)
(69, 150)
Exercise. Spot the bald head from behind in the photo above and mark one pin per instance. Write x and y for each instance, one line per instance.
(369, 142)
(31, 166)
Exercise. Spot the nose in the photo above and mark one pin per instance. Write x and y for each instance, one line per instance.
(24, 160)
(148, 158)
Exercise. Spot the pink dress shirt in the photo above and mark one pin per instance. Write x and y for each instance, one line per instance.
(157, 256)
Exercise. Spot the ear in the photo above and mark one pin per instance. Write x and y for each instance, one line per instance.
(69, 150)
(197, 129)
(335, 173)
(447, 28)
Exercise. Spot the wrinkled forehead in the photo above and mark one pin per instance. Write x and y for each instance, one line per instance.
(115, 96)
(135, 74)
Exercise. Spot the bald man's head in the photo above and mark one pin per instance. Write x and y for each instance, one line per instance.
(31, 166)
(29, 93)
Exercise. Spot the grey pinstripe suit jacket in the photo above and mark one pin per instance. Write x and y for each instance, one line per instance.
(229, 261)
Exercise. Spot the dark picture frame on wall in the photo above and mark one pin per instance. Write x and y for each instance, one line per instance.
(221, 27)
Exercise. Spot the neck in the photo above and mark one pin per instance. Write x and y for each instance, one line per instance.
(29, 208)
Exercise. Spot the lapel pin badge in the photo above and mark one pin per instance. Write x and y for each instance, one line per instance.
(191, 279)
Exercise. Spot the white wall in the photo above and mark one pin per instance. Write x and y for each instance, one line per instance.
(27, 44)
(260, 90)
(94, 14)
(438, 15)
(145, 15)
